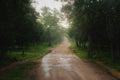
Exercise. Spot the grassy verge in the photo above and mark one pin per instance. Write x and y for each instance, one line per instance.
(79, 52)
(106, 59)
(21, 72)
(103, 61)
(18, 73)
(34, 52)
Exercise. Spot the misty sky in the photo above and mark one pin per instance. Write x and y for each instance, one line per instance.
(51, 4)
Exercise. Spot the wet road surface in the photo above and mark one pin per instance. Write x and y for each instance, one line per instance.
(63, 64)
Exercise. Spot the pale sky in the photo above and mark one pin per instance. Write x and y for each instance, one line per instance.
(48, 3)
(51, 4)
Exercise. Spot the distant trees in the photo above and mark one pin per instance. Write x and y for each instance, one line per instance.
(51, 21)
(95, 25)
(20, 26)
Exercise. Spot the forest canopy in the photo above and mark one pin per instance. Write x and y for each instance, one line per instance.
(21, 26)
(95, 25)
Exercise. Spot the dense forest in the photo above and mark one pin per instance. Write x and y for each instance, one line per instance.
(27, 35)
(21, 26)
(95, 26)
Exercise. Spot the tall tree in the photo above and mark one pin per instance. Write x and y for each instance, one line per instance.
(95, 22)
(18, 26)
(50, 19)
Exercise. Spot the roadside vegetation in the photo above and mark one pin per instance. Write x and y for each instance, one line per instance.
(82, 53)
(32, 53)
(31, 56)
(106, 60)
(18, 73)
(25, 35)
(95, 28)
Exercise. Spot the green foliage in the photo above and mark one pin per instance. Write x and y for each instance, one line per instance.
(21, 72)
(95, 23)
(50, 20)
(79, 52)
(21, 26)
(18, 26)
(18, 73)
(106, 59)
(34, 52)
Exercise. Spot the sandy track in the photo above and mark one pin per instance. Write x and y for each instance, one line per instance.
(62, 64)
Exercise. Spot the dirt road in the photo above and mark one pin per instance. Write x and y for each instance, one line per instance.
(62, 64)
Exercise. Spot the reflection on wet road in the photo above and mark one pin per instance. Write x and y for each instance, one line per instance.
(62, 64)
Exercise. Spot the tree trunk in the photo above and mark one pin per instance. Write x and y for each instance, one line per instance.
(90, 47)
(77, 43)
(2, 53)
(23, 51)
(112, 53)
(49, 42)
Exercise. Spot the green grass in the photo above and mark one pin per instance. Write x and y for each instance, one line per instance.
(106, 59)
(21, 72)
(18, 73)
(79, 52)
(32, 53)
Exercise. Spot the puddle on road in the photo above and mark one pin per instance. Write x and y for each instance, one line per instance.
(46, 66)
(53, 61)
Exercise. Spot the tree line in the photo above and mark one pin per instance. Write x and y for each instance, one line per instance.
(21, 26)
(95, 26)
